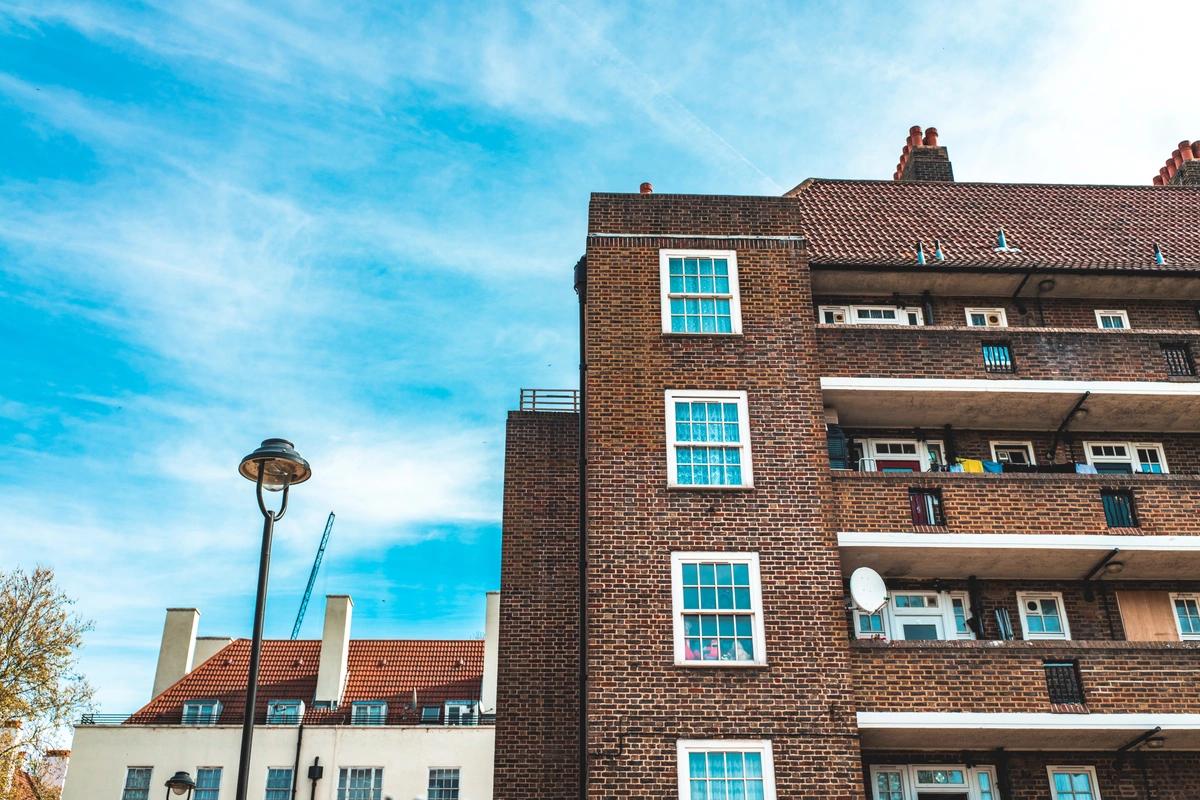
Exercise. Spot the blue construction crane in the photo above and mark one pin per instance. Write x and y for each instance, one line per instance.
(312, 576)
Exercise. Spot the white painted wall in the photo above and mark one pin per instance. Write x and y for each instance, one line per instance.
(100, 755)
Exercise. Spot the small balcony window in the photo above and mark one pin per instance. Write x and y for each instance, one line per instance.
(284, 712)
(1063, 683)
(201, 712)
(998, 357)
(1119, 511)
(461, 712)
(927, 507)
(373, 712)
(431, 715)
(1179, 360)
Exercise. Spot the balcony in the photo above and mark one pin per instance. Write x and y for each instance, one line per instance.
(1017, 503)
(984, 694)
(1014, 378)
(312, 716)
(551, 400)
(907, 351)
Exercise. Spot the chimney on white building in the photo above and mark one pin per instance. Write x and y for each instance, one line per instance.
(178, 647)
(491, 654)
(335, 649)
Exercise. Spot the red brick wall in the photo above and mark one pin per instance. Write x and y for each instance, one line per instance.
(537, 704)
(1059, 313)
(1014, 503)
(639, 702)
(1118, 677)
(894, 351)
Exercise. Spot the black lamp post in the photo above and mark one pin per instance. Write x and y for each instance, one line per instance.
(179, 783)
(274, 466)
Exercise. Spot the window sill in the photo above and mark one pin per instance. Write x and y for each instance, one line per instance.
(701, 335)
(722, 664)
(679, 487)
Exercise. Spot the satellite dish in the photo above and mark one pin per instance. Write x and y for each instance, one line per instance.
(867, 590)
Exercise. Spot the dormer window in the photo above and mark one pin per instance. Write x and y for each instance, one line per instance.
(284, 712)
(461, 712)
(201, 712)
(371, 712)
(431, 715)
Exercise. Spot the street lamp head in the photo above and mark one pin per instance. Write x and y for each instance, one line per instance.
(281, 465)
(180, 782)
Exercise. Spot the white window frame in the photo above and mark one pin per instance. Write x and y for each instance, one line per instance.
(1012, 444)
(871, 448)
(1112, 312)
(220, 779)
(213, 718)
(1194, 597)
(985, 311)
(469, 710)
(685, 747)
(298, 705)
(429, 779)
(758, 635)
(893, 617)
(843, 310)
(291, 779)
(126, 788)
(850, 314)
(1054, 768)
(735, 295)
(362, 705)
(340, 793)
(1132, 459)
(1025, 597)
(718, 396)
(910, 788)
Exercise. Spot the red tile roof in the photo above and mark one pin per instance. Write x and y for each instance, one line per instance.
(378, 669)
(879, 222)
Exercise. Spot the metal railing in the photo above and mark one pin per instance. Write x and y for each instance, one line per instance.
(1179, 360)
(998, 357)
(1063, 683)
(562, 400)
(311, 717)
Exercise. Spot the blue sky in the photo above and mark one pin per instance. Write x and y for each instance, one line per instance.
(353, 226)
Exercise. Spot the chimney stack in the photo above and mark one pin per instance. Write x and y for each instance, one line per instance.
(491, 654)
(178, 648)
(923, 159)
(335, 649)
(1182, 168)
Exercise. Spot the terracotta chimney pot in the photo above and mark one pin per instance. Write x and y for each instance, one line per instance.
(930, 137)
(1185, 150)
(1158, 181)
(1196, 148)
(647, 188)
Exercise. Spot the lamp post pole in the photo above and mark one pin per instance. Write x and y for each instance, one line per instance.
(274, 466)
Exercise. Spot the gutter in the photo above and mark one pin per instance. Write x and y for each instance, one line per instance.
(581, 290)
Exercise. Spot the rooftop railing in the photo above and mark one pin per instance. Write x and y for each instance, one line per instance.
(560, 400)
(311, 717)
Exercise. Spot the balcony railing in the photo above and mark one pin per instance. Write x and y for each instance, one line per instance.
(1026, 676)
(560, 400)
(901, 351)
(1138, 504)
(311, 717)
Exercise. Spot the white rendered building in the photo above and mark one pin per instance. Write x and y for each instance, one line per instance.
(336, 719)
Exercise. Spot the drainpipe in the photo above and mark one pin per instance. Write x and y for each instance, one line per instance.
(927, 303)
(581, 290)
(296, 764)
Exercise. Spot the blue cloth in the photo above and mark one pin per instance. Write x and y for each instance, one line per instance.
(993, 466)
(1085, 469)
(956, 468)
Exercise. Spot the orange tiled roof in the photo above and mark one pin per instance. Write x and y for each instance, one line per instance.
(858, 222)
(378, 669)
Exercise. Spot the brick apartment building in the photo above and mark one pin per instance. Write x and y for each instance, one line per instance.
(984, 392)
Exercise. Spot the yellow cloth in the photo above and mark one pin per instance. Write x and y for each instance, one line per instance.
(971, 464)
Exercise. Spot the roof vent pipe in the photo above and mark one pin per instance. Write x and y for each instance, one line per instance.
(920, 254)
(937, 247)
(1158, 255)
